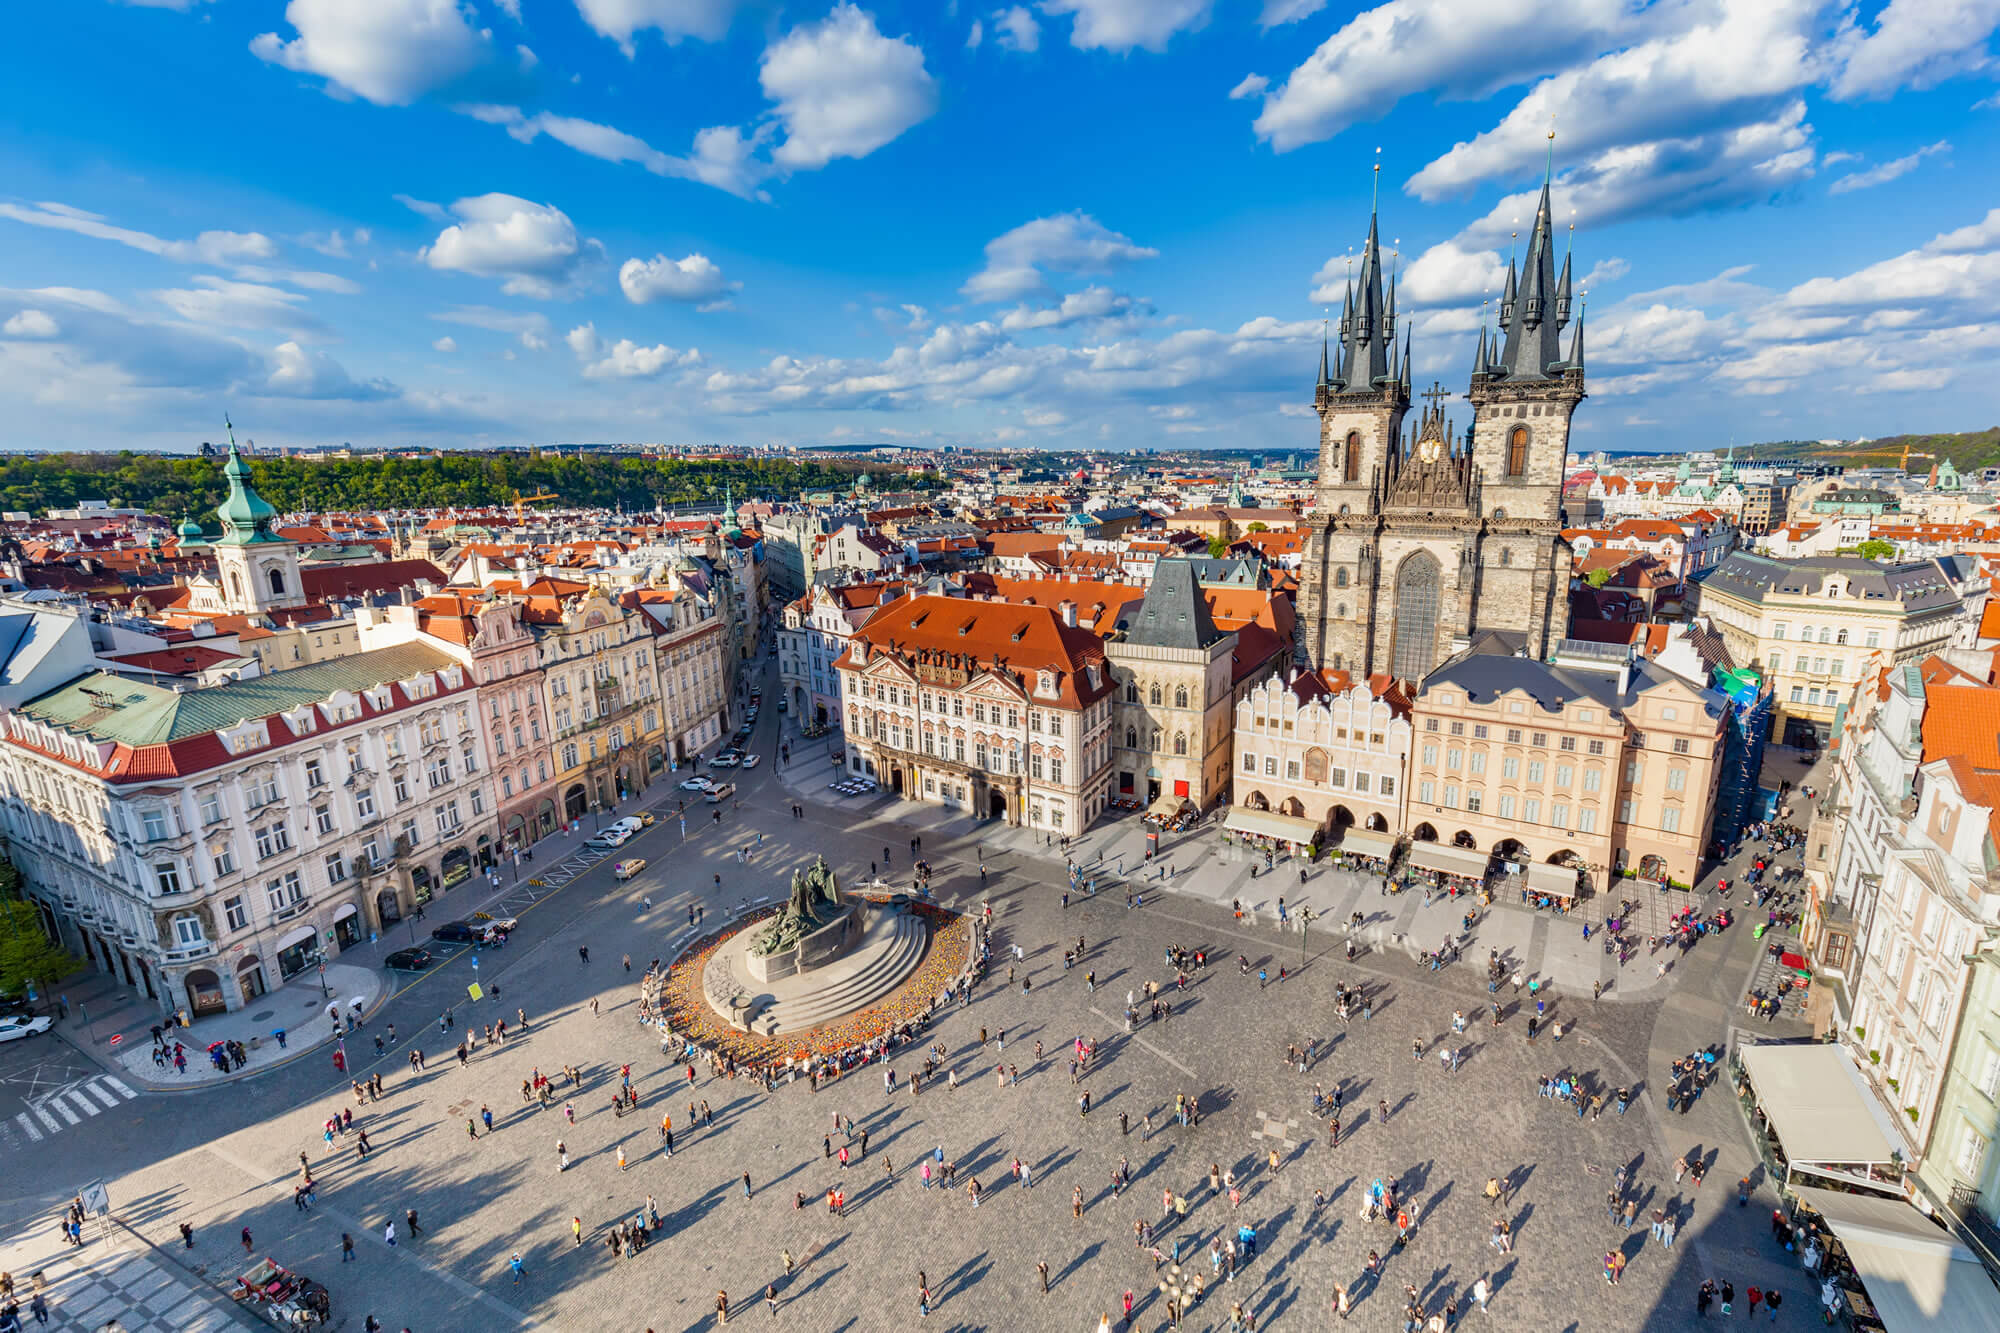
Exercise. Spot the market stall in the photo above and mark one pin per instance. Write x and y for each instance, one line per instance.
(1268, 828)
(1366, 851)
(1884, 1265)
(1551, 885)
(1817, 1116)
(1448, 867)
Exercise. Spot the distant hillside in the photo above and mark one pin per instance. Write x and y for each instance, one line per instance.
(1968, 450)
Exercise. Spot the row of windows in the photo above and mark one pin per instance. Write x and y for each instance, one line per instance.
(1317, 770)
(1827, 634)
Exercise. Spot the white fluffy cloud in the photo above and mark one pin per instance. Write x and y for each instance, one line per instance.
(1406, 46)
(620, 20)
(1065, 243)
(533, 248)
(210, 247)
(1253, 85)
(1887, 171)
(445, 344)
(1279, 12)
(1735, 70)
(30, 323)
(695, 280)
(389, 52)
(625, 359)
(1445, 274)
(1015, 29)
(299, 373)
(843, 89)
(241, 305)
(723, 156)
(1091, 305)
(1120, 25)
(1915, 43)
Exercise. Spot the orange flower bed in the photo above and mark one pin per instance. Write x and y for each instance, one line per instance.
(689, 1013)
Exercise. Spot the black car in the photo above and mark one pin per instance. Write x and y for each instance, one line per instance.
(460, 932)
(408, 960)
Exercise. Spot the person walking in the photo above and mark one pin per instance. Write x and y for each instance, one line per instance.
(576, 1230)
(346, 1248)
(520, 1270)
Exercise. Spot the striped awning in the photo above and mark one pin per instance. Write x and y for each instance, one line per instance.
(1271, 824)
(1363, 843)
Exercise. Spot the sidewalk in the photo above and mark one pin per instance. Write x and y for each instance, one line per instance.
(297, 1007)
(114, 1277)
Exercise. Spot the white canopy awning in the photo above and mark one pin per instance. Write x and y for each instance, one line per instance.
(1167, 805)
(346, 910)
(1271, 824)
(1918, 1275)
(1814, 1097)
(297, 936)
(1450, 860)
(1364, 843)
(1545, 878)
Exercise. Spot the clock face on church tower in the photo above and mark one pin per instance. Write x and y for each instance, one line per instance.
(1429, 449)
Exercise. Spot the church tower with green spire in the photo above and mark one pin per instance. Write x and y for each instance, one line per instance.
(258, 565)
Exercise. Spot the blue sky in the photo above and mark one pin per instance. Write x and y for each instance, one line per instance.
(1065, 223)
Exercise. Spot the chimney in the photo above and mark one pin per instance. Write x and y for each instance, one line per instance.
(1068, 610)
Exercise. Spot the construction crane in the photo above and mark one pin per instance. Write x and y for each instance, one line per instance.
(521, 500)
(1902, 456)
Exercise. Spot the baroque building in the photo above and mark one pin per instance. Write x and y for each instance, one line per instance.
(1421, 538)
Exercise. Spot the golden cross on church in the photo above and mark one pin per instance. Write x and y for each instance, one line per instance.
(1436, 393)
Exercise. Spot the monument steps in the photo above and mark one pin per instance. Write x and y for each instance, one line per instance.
(885, 968)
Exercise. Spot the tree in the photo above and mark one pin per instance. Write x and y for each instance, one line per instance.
(1597, 578)
(1218, 547)
(27, 955)
(1260, 527)
(1875, 549)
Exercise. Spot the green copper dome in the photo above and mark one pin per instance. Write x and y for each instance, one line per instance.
(246, 516)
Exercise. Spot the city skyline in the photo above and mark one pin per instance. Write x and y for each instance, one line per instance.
(1083, 223)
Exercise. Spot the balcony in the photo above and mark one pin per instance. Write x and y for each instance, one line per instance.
(193, 953)
(290, 910)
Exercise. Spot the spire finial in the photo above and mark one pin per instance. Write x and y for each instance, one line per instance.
(1549, 174)
(1376, 195)
(232, 432)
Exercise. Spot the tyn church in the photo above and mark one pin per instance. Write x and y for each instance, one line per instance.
(1423, 539)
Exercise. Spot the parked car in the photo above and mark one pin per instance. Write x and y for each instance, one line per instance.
(14, 1027)
(782, 708)
(408, 960)
(611, 837)
(722, 793)
(696, 784)
(506, 925)
(627, 869)
(724, 761)
(751, 761)
(462, 932)
(645, 818)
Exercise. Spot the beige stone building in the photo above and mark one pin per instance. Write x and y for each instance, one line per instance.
(1817, 626)
(1591, 768)
(1322, 756)
(998, 709)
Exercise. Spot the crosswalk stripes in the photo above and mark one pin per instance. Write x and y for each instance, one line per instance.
(73, 1104)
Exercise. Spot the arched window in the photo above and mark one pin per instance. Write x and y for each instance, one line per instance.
(277, 577)
(1414, 649)
(1180, 742)
(236, 584)
(1180, 696)
(1840, 637)
(1340, 578)
(1156, 740)
(1131, 738)
(1352, 466)
(1131, 691)
(1517, 451)
(1506, 556)
(1156, 692)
